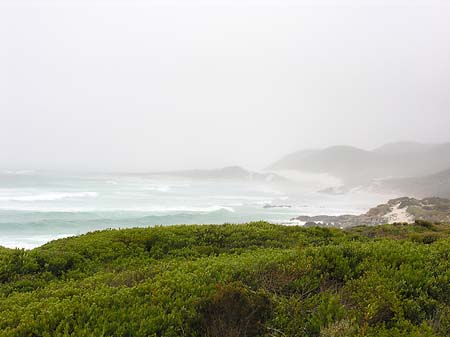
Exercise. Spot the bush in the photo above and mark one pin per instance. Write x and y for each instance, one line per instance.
(234, 311)
(425, 238)
(424, 223)
(256, 279)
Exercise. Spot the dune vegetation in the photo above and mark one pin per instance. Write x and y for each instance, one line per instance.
(256, 279)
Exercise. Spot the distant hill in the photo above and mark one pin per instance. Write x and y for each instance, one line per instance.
(357, 167)
(340, 161)
(225, 173)
(293, 160)
(320, 160)
(400, 148)
(437, 185)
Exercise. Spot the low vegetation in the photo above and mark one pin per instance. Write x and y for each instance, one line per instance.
(256, 279)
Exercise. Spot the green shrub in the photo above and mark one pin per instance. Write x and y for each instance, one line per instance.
(425, 238)
(255, 279)
(234, 311)
(423, 223)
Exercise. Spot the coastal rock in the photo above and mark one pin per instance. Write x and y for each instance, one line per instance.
(276, 206)
(400, 210)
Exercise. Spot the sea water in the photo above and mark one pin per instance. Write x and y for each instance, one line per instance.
(37, 207)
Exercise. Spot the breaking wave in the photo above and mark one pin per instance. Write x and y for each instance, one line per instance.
(51, 196)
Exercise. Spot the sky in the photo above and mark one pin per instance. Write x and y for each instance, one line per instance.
(168, 85)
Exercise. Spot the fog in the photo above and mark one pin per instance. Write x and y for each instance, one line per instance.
(136, 86)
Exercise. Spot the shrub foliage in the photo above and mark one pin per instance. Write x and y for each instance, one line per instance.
(251, 280)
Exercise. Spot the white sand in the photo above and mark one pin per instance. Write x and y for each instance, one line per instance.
(398, 214)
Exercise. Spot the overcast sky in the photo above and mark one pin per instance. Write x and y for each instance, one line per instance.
(167, 85)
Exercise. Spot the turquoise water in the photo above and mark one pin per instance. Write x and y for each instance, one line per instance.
(38, 207)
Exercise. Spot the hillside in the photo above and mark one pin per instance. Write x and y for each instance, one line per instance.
(400, 148)
(231, 280)
(350, 164)
(358, 167)
(432, 185)
(235, 173)
(293, 160)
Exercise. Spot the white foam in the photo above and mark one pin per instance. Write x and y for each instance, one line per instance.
(143, 209)
(289, 222)
(51, 196)
(19, 172)
(160, 188)
(29, 242)
(194, 209)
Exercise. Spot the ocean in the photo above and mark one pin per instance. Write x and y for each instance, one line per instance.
(37, 207)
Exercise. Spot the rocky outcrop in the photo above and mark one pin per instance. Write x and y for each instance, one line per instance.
(405, 210)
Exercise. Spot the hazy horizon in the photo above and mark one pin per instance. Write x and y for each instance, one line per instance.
(129, 86)
(26, 170)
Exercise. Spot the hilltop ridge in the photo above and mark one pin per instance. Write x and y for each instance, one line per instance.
(357, 167)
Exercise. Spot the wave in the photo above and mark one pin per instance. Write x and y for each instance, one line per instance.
(52, 196)
(155, 209)
(32, 229)
(28, 242)
(192, 209)
(19, 172)
(165, 187)
(161, 188)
